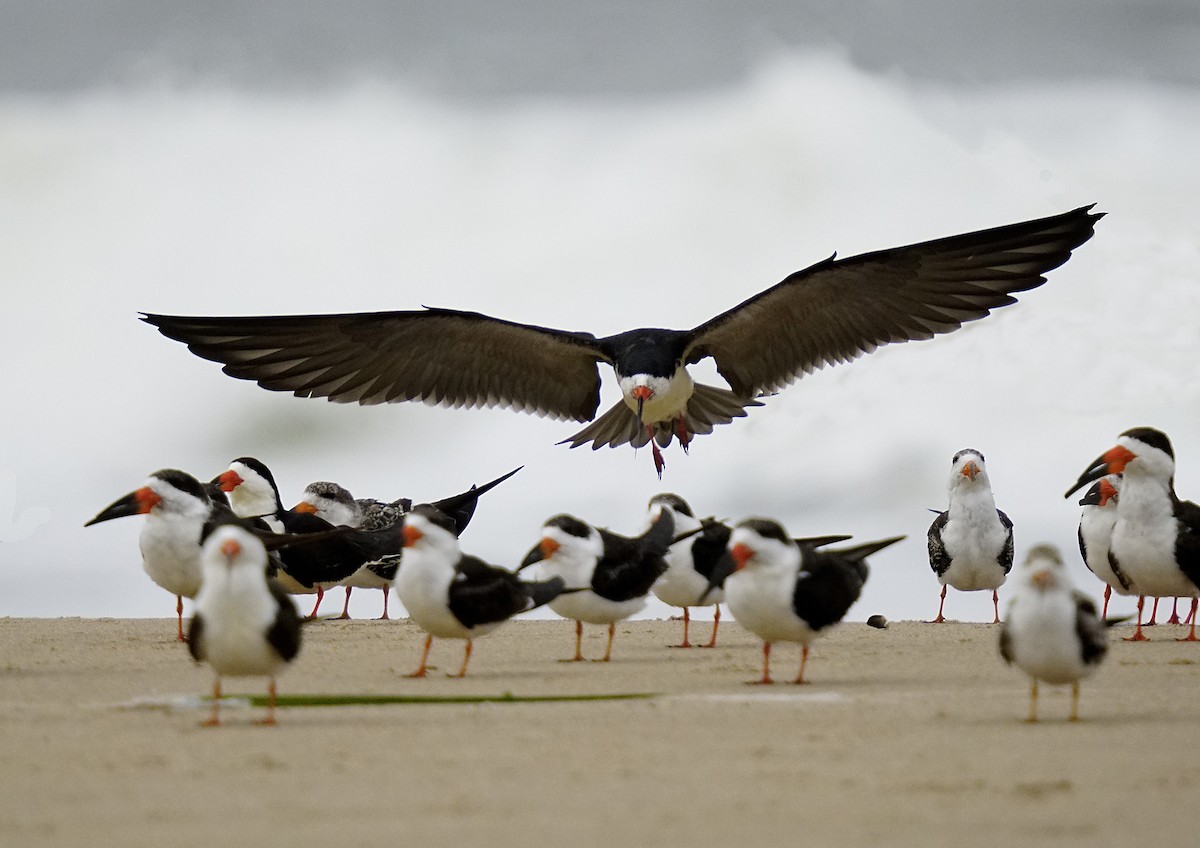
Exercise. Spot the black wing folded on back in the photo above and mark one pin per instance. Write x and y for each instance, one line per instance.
(629, 567)
(481, 593)
(939, 559)
(439, 356)
(837, 310)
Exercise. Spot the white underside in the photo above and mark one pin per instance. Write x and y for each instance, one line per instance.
(670, 398)
(423, 586)
(170, 546)
(1041, 627)
(1143, 541)
(761, 601)
(237, 615)
(974, 538)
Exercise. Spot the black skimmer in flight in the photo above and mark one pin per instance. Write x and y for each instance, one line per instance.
(612, 574)
(455, 596)
(783, 591)
(831, 312)
(1095, 533)
(245, 625)
(690, 562)
(1051, 631)
(1156, 537)
(177, 507)
(971, 543)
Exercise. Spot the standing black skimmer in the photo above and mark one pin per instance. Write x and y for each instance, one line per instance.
(245, 625)
(253, 492)
(831, 312)
(1095, 533)
(971, 543)
(612, 574)
(335, 504)
(690, 562)
(455, 596)
(1050, 631)
(1156, 537)
(176, 507)
(787, 592)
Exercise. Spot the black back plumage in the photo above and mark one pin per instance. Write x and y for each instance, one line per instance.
(481, 593)
(831, 581)
(629, 567)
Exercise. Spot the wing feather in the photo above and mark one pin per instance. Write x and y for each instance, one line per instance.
(838, 310)
(438, 356)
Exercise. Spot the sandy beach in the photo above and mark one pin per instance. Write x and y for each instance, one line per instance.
(912, 735)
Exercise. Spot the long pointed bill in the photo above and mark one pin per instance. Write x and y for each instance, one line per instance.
(1112, 461)
(135, 503)
(542, 550)
(641, 394)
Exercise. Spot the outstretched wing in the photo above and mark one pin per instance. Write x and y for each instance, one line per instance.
(837, 310)
(439, 356)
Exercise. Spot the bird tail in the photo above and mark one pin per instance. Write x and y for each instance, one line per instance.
(861, 552)
(461, 507)
(707, 407)
(544, 591)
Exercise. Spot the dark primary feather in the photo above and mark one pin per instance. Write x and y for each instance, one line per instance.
(439, 356)
(709, 546)
(1005, 557)
(837, 310)
(1093, 635)
(284, 635)
(195, 641)
(939, 559)
(1187, 543)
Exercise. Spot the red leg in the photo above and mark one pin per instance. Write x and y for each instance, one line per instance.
(462, 672)
(578, 644)
(803, 662)
(712, 643)
(1174, 619)
(659, 462)
(1191, 619)
(766, 677)
(179, 619)
(317, 605)
(346, 607)
(386, 591)
(996, 606)
(1153, 615)
(681, 431)
(214, 717)
(1138, 635)
(1107, 595)
(941, 605)
(1191, 637)
(685, 643)
(420, 672)
(612, 629)
(270, 719)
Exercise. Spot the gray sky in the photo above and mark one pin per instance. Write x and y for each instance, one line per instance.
(479, 48)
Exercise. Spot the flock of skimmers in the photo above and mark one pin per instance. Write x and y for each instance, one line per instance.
(232, 547)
